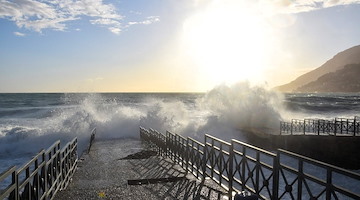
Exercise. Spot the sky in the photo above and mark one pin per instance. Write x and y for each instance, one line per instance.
(167, 45)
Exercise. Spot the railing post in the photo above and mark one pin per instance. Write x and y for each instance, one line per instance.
(276, 168)
(341, 126)
(354, 126)
(220, 164)
(44, 172)
(204, 160)
(304, 126)
(300, 179)
(212, 158)
(187, 153)
(231, 169)
(37, 178)
(27, 187)
(257, 173)
(17, 194)
(328, 184)
(243, 185)
(281, 127)
(14, 195)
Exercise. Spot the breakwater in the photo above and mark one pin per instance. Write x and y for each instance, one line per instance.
(331, 141)
(238, 166)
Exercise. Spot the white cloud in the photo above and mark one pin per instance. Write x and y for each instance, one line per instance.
(115, 30)
(19, 34)
(39, 15)
(147, 21)
(105, 21)
(273, 7)
(298, 6)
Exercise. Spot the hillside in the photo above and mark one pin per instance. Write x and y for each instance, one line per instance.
(349, 56)
(343, 80)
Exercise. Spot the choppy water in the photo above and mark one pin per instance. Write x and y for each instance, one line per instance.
(30, 122)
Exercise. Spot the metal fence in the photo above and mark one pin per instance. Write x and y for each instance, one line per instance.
(238, 166)
(44, 175)
(92, 138)
(337, 127)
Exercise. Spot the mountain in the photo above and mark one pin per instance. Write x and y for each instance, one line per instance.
(349, 56)
(343, 80)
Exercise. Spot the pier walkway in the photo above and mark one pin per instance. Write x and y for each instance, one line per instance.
(170, 166)
(128, 169)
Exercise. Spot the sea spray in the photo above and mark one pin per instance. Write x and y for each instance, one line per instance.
(245, 107)
(223, 112)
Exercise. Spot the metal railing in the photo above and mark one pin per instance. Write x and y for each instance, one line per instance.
(238, 166)
(92, 138)
(44, 175)
(336, 127)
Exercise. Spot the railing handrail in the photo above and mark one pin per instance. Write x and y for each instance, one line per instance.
(238, 170)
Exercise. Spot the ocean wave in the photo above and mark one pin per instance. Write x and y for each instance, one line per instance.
(224, 112)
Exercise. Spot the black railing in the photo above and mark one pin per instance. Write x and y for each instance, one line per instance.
(44, 175)
(336, 127)
(92, 138)
(238, 166)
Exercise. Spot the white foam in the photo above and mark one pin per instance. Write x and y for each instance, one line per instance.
(223, 112)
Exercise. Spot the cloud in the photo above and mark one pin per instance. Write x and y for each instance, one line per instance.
(298, 6)
(147, 21)
(19, 34)
(38, 15)
(273, 7)
(115, 30)
(105, 21)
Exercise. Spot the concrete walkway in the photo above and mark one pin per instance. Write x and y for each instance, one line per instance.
(104, 174)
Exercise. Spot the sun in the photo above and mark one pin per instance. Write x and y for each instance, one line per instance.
(227, 41)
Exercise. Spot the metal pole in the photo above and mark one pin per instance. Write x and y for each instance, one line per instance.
(300, 179)
(328, 184)
(231, 169)
(258, 165)
(276, 167)
(204, 160)
(304, 127)
(354, 126)
(243, 185)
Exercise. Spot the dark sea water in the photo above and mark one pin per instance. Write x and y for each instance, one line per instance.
(30, 122)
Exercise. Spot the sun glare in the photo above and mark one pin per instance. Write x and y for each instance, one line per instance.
(227, 41)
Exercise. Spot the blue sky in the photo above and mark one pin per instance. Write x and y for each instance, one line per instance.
(167, 45)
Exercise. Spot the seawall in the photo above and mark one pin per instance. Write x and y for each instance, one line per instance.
(342, 151)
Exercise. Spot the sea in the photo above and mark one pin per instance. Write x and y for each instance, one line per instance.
(30, 122)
